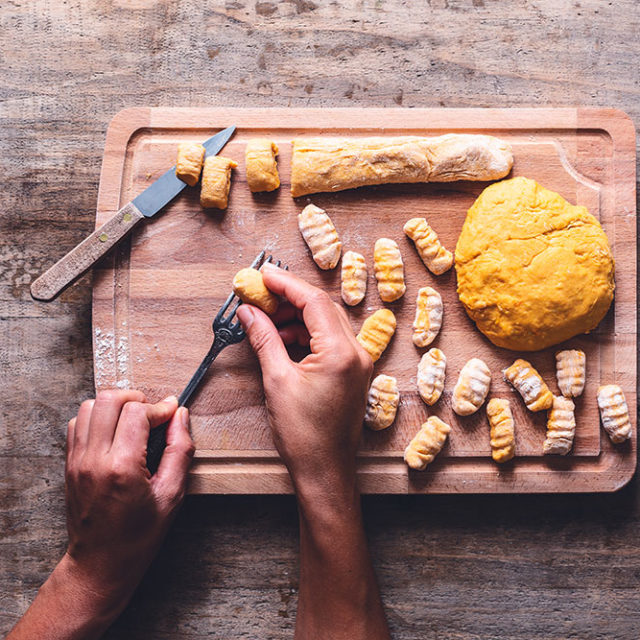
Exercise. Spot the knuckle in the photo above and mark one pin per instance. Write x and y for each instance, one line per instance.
(319, 297)
(108, 396)
(134, 412)
(86, 405)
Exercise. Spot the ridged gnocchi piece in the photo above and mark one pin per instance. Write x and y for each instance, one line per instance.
(382, 402)
(428, 319)
(354, 278)
(529, 384)
(426, 444)
(216, 182)
(431, 374)
(320, 235)
(561, 427)
(249, 286)
(472, 387)
(189, 162)
(389, 269)
(503, 437)
(376, 332)
(261, 166)
(614, 413)
(435, 257)
(571, 372)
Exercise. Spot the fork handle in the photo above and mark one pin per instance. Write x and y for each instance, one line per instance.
(158, 436)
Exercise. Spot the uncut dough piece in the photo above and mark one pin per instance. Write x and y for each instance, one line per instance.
(216, 182)
(376, 332)
(426, 444)
(354, 278)
(530, 385)
(571, 372)
(472, 387)
(389, 270)
(189, 162)
(249, 286)
(261, 166)
(614, 413)
(431, 374)
(382, 402)
(533, 270)
(561, 427)
(503, 438)
(334, 164)
(435, 257)
(320, 235)
(428, 318)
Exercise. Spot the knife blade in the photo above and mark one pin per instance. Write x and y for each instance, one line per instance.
(153, 199)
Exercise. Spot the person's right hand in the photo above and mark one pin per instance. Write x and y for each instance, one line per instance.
(316, 406)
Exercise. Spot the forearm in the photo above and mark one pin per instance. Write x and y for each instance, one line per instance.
(68, 608)
(338, 595)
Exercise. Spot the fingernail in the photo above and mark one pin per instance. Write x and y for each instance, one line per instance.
(184, 417)
(171, 398)
(245, 315)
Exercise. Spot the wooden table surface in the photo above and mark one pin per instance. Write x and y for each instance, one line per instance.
(462, 567)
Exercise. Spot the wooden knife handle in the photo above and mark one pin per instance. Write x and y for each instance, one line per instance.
(78, 260)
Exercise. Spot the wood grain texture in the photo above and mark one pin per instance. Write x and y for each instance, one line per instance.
(451, 567)
(179, 269)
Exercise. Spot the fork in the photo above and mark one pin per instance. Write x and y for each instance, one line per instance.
(226, 331)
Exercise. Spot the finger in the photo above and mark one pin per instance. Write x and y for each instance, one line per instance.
(105, 415)
(81, 429)
(71, 427)
(284, 314)
(318, 312)
(136, 420)
(170, 481)
(264, 339)
(344, 320)
(294, 334)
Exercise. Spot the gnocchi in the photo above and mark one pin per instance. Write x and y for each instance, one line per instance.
(216, 182)
(503, 441)
(614, 413)
(320, 235)
(570, 372)
(431, 374)
(189, 162)
(354, 278)
(428, 319)
(529, 384)
(382, 402)
(426, 444)
(376, 332)
(261, 166)
(389, 269)
(249, 286)
(472, 387)
(435, 257)
(561, 427)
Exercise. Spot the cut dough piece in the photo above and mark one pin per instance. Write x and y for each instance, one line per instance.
(320, 235)
(426, 444)
(529, 384)
(260, 163)
(431, 373)
(503, 442)
(249, 286)
(334, 164)
(428, 320)
(472, 387)
(389, 270)
(561, 427)
(614, 413)
(435, 257)
(189, 162)
(376, 332)
(216, 182)
(382, 402)
(354, 278)
(571, 372)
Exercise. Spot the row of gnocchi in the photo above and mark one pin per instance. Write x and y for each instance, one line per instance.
(471, 391)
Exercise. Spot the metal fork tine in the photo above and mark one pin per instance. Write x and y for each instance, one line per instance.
(258, 259)
(225, 306)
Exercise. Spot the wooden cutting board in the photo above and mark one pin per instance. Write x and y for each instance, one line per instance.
(155, 296)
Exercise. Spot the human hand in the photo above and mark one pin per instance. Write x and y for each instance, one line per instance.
(315, 406)
(117, 513)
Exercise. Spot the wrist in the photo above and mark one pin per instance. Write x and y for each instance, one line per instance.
(327, 496)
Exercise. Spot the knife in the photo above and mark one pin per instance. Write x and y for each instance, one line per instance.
(93, 247)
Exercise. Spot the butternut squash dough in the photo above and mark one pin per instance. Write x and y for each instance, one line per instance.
(376, 332)
(382, 402)
(426, 444)
(321, 236)
(561, 427)
(614, 413)
(571, 372)
(431, 373)
(260, 164)
(389, 269)
(502, 430)
(216, 182)
(189, 162)
(335, 164)
(249, 286)
(354, 278)
(533, 270)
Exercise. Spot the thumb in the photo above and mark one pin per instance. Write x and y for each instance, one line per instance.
(264, 338)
